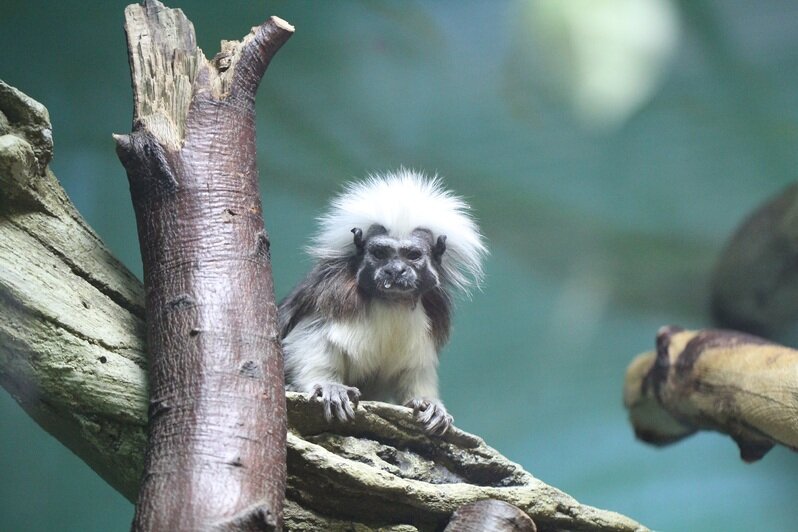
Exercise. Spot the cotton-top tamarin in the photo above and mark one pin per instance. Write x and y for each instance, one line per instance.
(371, 317)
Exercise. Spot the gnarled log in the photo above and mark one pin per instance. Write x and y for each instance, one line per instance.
(725, 381)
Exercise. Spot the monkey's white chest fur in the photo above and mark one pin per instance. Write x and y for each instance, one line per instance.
(387, 340)
(388, 352)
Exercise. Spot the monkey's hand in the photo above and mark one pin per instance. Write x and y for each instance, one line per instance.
(339, 400)
(432, 414)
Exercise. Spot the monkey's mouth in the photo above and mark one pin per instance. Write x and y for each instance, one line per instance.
(396, 286)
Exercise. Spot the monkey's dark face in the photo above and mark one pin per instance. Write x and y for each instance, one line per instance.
(397, 268)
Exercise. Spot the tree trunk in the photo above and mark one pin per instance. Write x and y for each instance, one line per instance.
(72, 353)
(216, 452)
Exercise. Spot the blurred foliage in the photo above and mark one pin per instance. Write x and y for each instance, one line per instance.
(600, 232)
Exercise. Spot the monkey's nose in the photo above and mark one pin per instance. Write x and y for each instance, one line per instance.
(397, 271)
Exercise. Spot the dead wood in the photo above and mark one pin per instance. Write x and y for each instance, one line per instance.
(725, 381)
(216, 445)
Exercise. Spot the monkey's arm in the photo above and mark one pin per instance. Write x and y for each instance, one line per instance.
(313, 365)
(296, 306)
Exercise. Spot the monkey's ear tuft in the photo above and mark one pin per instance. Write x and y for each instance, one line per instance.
(439, 248)
(359, 244)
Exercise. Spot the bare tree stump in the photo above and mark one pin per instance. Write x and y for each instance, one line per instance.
(216, 452)
(725, 381)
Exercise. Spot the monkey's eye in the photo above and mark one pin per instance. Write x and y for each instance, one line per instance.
(381, 252)
(413, 254)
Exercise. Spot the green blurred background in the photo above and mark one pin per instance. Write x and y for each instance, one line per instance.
(609, 147)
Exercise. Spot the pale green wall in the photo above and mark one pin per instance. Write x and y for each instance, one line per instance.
(598, 236)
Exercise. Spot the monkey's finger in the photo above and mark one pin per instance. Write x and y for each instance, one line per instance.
(433, 430)
(318, 394)
(426, 415)
(437, 425)
(418, 405)
(441, 420)
(446, 422)
(350, 413)
(340, 413)
(328, 415)
(336, 402)
(354, 396)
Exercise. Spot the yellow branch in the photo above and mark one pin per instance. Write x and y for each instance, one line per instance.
(725, 381)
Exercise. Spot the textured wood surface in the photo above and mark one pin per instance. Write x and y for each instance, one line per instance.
(725, 381)
(71, 316)
(217, 423)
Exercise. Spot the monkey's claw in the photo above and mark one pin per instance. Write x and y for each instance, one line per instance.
(432, 414)
(339, 400)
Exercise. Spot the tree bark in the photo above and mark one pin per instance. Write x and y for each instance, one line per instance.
(216, 452)
(71, 316)
(725, 381)
(72, 353)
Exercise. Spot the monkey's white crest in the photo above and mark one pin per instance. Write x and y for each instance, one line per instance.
(402, 201)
